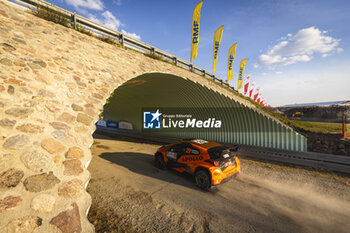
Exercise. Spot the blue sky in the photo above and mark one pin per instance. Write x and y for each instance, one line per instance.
(298, 50)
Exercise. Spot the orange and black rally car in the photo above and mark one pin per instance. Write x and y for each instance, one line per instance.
(208, 161)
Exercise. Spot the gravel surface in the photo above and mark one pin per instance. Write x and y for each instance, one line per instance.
(130, 195)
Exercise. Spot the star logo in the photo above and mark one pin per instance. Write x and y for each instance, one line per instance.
(156, 115)
(151, 120)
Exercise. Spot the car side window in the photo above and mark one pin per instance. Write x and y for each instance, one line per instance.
(190, 150)
(178, 149)
(184, 149)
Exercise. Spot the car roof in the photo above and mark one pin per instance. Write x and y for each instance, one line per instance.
(203, 143)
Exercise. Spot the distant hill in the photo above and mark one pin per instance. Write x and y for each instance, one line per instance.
(320, 112)
(342, 102)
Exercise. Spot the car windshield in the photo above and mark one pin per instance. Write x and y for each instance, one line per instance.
(219, 152)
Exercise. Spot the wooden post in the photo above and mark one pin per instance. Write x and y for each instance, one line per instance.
(122, 40)
(74, 19)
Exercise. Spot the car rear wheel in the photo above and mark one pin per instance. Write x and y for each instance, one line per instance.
(159, 162)
(203, 180)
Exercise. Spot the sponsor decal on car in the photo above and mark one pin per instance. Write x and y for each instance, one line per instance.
(228, 164)
(192, 158)
(200, 141)
(171, 155)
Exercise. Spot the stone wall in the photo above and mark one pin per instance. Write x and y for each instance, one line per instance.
(53, 83)
(327, 143)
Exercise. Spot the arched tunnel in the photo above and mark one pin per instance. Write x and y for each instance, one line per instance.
(173, 94)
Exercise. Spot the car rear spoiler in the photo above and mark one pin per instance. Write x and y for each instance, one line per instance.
(234, 148)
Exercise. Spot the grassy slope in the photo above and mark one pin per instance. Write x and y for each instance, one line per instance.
(320, 127)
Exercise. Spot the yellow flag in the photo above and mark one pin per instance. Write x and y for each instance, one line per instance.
(195, 30)
(231, 58)
(217, 41)
(240, 76)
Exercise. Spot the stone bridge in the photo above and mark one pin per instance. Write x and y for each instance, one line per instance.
(54, 82)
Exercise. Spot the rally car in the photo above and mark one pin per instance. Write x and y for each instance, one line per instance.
(208, 161)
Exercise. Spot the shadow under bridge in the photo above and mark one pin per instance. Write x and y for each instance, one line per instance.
(171, 94)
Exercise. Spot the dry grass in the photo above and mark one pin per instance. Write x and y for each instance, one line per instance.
(154, 56)
(320, 127)
(84, 31)
(59, 18)
(108, 40)
(51, 15)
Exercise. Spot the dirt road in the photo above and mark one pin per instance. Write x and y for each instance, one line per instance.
(130, 195)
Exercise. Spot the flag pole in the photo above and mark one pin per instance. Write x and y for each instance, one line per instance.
(344, 126)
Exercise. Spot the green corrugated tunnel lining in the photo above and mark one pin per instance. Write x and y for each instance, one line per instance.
(248, 126)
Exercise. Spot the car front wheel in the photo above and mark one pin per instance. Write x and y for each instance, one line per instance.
(159, 162)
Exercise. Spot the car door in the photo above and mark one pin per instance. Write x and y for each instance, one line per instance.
(190, 155)
(174, 153)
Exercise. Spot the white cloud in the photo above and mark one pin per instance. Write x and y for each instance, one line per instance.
(117, 2)
(106, 18)
(86, 4)
(309, 84)
(110, 20)
(93, 17)
(133, 35)
(299, 48)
